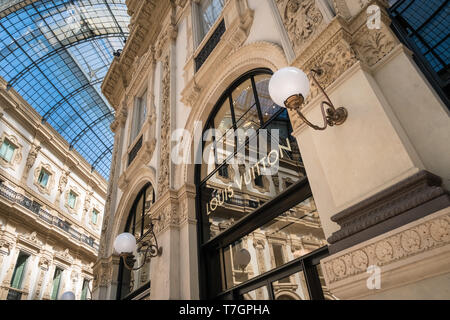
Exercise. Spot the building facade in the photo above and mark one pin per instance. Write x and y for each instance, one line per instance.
(358, 202)
(51, 208)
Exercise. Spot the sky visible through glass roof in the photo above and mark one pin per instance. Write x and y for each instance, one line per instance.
(56, 55)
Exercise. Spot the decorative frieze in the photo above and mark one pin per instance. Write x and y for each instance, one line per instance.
(426, 236)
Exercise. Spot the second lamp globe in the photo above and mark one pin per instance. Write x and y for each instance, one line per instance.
(288, 82)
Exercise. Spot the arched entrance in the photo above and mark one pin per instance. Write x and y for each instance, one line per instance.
(136, 224)
(253, 195)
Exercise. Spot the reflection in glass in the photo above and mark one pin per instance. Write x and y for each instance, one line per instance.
(326, 292)
(245, 108)
(268, 107)
(293, 234)
(292, 287)
(239, 187)
(258, 294)
(223, 120)
(210, 12)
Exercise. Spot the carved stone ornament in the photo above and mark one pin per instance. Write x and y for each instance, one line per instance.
(373, 45)
(44, 262)
(63, 180)
(87, 202)
(31, 240)
(163, 178)
(64, 256)
(302, 20)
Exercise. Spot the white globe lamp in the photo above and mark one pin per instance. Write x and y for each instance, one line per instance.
(125, 243)
(289, 87)
(288, 82)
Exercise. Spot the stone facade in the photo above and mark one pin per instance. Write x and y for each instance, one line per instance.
(379, 145)
(35, 217)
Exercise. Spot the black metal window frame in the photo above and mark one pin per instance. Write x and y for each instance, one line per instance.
(135, 150)
(211, 250)
(401, 13)
(131, 223)
(209, 46)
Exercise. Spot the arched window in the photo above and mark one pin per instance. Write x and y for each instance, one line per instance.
(256, 212)
(138, 222)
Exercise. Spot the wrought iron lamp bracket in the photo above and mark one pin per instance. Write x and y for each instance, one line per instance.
(150, 248)
(331, 116)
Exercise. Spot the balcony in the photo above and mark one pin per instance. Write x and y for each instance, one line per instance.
(45, 216)
(8, 293)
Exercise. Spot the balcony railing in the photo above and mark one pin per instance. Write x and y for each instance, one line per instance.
(14, 294)
(43, 215)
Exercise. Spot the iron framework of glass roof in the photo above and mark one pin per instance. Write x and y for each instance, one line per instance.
(56, 54)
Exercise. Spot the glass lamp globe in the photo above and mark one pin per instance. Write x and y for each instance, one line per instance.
(67, 296)
(286, 83)
(125, 243)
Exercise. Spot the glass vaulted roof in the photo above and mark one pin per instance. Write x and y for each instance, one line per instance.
(56, 54)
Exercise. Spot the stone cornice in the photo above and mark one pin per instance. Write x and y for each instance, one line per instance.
(145, 26)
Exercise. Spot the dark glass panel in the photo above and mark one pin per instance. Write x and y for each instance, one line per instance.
(292, 287)
(291, 235)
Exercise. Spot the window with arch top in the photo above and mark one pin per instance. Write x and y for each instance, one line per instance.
(138, 222)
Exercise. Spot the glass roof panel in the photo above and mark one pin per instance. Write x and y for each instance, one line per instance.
(56, 55)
